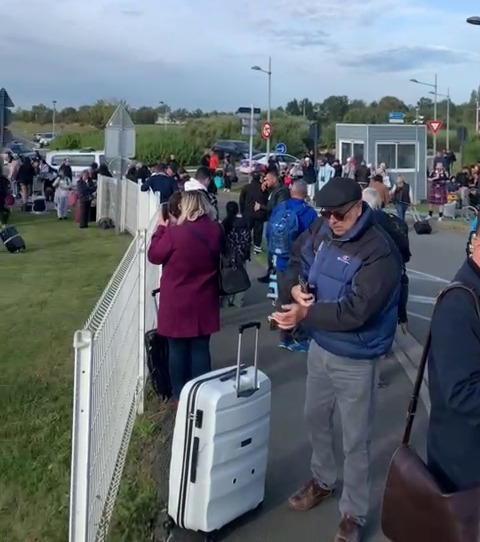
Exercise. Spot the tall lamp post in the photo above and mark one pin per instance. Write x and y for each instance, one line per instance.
(475, 20)
(269, 73)
(447, 96)
(435, 93)
(165, 112)
(54, 112)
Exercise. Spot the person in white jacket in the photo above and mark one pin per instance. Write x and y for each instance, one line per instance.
(203, 181)
(325, 173)
(62, 185)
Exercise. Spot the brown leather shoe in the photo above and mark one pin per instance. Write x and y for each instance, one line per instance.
(348, 531)
(309, 496)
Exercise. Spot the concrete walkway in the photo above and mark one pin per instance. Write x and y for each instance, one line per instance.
(289, 446)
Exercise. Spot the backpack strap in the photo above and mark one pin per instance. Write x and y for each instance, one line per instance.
(412, 407)
(314, 229)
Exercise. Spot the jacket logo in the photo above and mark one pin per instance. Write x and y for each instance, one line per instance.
(344, 259)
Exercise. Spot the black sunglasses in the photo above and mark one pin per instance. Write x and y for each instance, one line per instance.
(337, 215)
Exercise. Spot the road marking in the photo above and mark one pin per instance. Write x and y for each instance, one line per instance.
(421, 316)
(426, 300)
(426, 276)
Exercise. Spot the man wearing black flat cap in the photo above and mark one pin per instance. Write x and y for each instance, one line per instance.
(352, 269)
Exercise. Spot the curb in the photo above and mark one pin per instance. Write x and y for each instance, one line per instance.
(408, 352)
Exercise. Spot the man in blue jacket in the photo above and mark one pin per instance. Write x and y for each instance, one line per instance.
(289, 219)
(353, 270)
(160, 182)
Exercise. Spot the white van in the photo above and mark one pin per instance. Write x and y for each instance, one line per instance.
(79, 160)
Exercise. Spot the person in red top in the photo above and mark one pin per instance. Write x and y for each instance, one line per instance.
(189, 308)
(214, 161)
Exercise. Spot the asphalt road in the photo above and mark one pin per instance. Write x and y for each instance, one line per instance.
(434, 262)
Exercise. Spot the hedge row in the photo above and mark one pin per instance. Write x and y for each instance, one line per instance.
(189, 142)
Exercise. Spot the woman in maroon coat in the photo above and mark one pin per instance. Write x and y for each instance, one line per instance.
(189, 308)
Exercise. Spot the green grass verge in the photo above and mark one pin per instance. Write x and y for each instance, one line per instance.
(47, 293)
(136, 509)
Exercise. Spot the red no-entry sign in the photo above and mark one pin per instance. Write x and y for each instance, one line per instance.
(266, 130)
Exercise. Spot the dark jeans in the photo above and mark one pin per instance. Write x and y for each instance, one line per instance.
(187, 359)
(228, 182)
(401, 209)
(48, 190)
(85, 206)
(256, 226)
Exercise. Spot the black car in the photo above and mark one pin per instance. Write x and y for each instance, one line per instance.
(235, 148)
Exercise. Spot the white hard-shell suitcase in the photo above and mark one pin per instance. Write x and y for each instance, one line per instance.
(220, 446)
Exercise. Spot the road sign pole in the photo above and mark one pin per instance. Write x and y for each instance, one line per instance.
(269, 100)
(435, 114)
(2, 124)
(250, 144)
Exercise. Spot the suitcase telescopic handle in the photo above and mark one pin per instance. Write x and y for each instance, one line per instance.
(249, 391)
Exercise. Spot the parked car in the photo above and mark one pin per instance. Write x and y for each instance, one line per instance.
(260, 162)
(44, 139)
(244, 166)
(236, 149)
(79, 160)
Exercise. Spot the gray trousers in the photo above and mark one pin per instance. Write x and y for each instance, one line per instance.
(350, 384)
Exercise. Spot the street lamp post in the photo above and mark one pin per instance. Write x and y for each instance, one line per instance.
(447, 96)
(54, 111)
(435, 93)
(165, 111)
(475, 20)
(269, 73)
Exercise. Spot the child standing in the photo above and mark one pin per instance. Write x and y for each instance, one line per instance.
(62, 185)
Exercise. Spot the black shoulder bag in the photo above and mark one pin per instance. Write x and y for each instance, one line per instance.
(233, 277)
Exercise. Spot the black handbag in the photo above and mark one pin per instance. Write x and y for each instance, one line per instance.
(233, 277)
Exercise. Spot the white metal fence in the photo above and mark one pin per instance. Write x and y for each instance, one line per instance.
(129, 205)
(110, 368)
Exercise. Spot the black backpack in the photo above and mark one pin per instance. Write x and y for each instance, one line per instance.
(398, 230)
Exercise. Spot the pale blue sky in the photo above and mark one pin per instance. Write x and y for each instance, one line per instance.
(198, 53)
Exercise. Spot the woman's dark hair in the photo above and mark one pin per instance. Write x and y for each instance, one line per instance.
(174, 204)
(232, 211)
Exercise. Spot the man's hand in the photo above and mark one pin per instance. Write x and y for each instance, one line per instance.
(293, 314)
(256, 206)
(303, 299)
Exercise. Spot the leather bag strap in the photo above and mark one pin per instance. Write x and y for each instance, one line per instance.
(412, 407)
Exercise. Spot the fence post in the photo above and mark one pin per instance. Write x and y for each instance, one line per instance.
(142, 268)
(80, 470)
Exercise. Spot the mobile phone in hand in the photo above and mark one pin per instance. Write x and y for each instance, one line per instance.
(272, 321)
(304, 287)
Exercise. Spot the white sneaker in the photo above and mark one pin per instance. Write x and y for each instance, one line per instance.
(440, 218)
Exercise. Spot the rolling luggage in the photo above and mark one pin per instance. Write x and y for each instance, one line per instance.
(156, 348)
(39, 205)
(12, 240)
(421, 226)
(220, 446)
